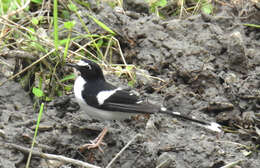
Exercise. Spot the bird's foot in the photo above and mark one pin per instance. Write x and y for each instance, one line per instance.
(95, 143)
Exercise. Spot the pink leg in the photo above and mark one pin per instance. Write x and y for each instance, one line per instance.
(96, 143)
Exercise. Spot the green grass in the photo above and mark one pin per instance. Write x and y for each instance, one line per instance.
(55, 23)
(35, 135)
(252, 25)
(182, 7)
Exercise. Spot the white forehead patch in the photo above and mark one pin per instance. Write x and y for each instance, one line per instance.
(82, 63)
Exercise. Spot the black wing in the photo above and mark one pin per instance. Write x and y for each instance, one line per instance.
(125, 101)
(124, 97)
(120, 101)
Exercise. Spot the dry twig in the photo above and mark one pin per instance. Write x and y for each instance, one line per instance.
(122, 150)
(232, 164)
(52, 156)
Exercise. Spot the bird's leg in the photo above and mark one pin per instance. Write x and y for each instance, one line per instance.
(96, 143)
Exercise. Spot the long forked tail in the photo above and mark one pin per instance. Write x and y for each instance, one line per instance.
(209, 125)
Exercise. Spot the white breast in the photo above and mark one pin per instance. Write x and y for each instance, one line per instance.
(78, 88)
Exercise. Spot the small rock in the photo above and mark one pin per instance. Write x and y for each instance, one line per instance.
(52, 163)
(230, 78)
(206, 17)
(138, 6)
(248, 119)
(165, 160)
(238, 60)
(2, 133)
(143, 77)
(43, 127)
(150, 123)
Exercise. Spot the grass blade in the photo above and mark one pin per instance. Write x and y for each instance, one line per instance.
(35, 134)
(102, 25)
(55, 22)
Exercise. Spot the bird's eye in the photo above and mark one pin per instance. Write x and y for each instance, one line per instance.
(88, 67)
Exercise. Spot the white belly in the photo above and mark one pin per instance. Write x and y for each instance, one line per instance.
(103, 114)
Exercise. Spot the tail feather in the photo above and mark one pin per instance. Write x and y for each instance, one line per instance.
(209, 125)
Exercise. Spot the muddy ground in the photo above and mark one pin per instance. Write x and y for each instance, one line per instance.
(210, 66)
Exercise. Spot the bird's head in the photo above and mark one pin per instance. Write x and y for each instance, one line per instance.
(89, 70)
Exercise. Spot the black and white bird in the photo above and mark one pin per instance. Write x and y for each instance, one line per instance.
(102, 100)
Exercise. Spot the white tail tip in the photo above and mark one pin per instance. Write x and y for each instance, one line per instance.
(214, 127)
